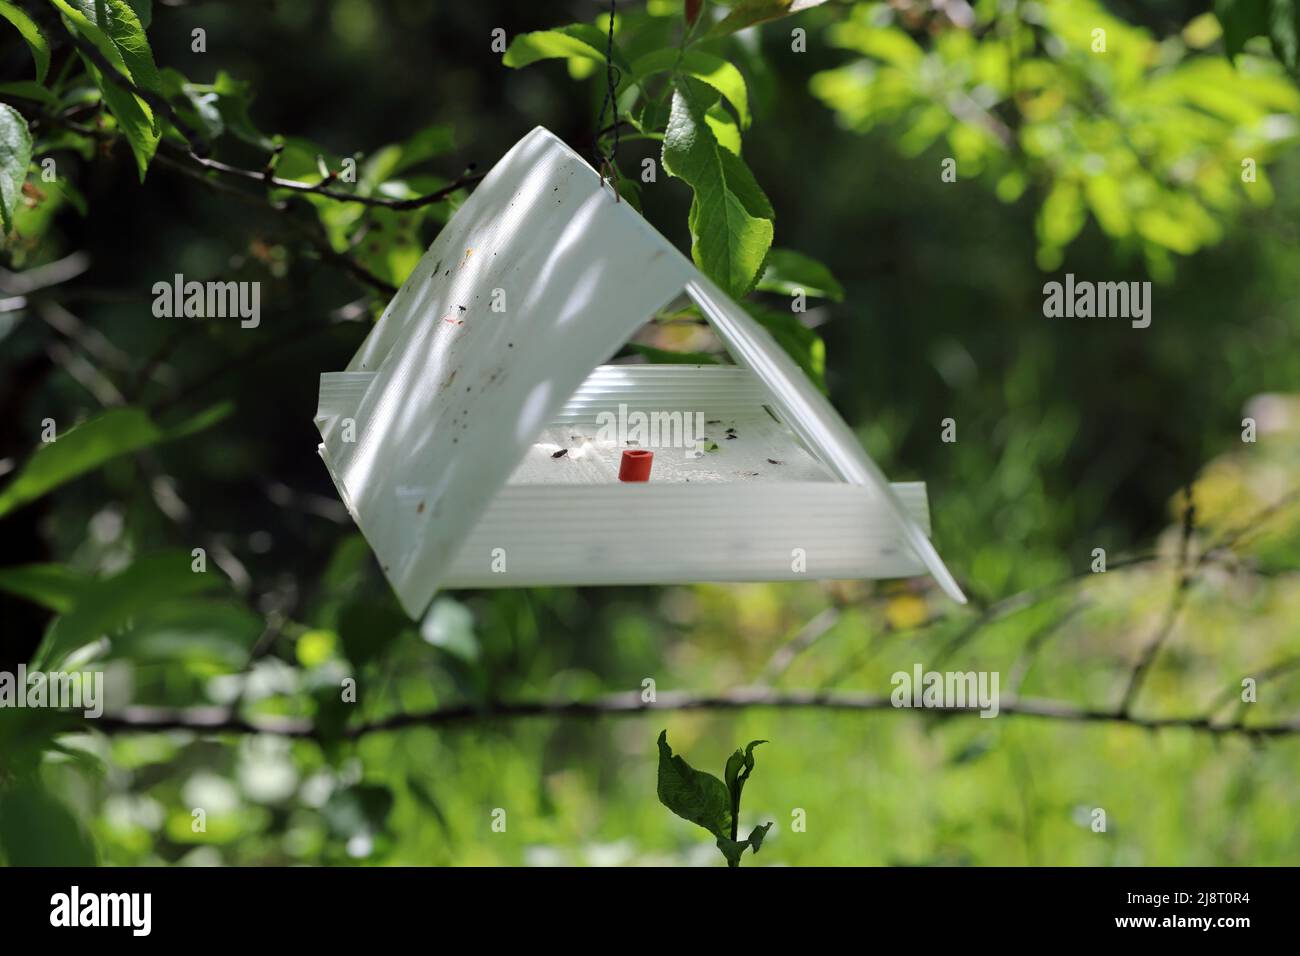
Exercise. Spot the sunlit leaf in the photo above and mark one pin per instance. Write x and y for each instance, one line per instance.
(730, 218)
(92, 443)
(31, 33)
(706, 67)
(15, 157)
(746, 13)
(789, 272)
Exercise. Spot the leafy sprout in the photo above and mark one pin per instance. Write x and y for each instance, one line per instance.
(709, 802)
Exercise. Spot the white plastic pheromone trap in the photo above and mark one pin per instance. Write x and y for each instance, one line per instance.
(476, 437)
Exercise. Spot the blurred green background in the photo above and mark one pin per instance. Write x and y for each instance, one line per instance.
(1072, 434)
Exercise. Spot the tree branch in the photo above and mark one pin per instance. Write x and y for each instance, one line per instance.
(219, 720)
(323, 189)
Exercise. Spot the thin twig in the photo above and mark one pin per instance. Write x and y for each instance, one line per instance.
(1186, 575)
(807, 635)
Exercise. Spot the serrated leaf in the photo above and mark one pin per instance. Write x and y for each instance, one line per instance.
(730, 218)
(32, 34)
(134, 118)
(789, 272)
(91, 444)
(15, 157)
(693, 794)
(116, 31)
(749, 12)
(144, 10)
(581, 40)
(705, 67)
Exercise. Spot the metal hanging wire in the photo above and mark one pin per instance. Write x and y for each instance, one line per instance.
(606, 162)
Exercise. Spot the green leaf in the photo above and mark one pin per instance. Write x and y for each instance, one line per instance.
(1241, 20)
(581, 40)
(730, 218)
(801, 343)
(195, 103)
(143, 10)
(32, 34)
(214, 636)
(739, 766)
(369, 627)
(110, 605)
(710, 69)
(15, 157)
(789, 272)
(692, 794)
(395, 158)
(134, 118)
(749, 12)
(1282, 32)
(732, 849)
(116, 31)
(757, 835)
(234, 97)
(30, 90)
(36, 829)
(54, 586)
(659, 356)
(91, 444)
(723, 126)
